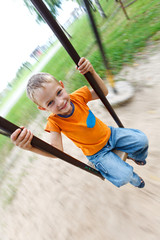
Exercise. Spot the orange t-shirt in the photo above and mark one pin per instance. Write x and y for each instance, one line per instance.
(81, 126)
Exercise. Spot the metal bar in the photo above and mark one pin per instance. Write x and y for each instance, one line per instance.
(97, 35)
(130, 3)
(124, 10)
(4, 133)
(92, 21)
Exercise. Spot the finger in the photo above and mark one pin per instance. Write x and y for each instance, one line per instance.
(15, 134)
(29, 139)
(84, 68)
(83, 65)
(26, 142)
(21, 136)
(82, 59)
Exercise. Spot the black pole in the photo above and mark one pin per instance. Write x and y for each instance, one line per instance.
(92, 21)
(97, 35)
(8, 128)
(48, 17)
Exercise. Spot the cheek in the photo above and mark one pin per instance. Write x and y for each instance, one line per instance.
(66, 96)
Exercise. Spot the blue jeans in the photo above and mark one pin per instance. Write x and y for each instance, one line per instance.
(111, 166)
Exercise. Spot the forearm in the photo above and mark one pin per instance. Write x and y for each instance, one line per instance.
(22, 138)
(100, 82)
(41, 152)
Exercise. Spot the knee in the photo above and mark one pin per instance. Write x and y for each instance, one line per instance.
(144, 140)
(126, 177)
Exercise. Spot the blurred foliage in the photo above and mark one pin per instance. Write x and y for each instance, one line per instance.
(53, 5)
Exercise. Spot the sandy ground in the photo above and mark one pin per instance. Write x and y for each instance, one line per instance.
(45, 199)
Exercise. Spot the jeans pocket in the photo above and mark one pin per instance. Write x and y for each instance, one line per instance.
(100, 167)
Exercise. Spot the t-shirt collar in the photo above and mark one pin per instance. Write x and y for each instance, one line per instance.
(66, 116)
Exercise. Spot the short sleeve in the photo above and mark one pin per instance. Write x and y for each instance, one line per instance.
(51, 125)
(83, 94)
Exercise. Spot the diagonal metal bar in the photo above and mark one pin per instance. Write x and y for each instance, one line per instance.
(4, 133)
(123, 9)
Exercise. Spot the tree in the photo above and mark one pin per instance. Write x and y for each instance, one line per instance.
(100, 9)
(90, 2)
(53, 6)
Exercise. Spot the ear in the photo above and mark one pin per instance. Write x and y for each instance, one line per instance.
(61, 83)
(41, 108)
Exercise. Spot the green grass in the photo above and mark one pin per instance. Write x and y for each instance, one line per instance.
(121, 40)
(20, 110)
(23, 112)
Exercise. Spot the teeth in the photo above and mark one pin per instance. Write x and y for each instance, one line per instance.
(63, 106)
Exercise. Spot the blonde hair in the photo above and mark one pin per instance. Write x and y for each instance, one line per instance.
(37, 81)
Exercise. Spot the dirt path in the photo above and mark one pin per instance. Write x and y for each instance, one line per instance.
(44, 199)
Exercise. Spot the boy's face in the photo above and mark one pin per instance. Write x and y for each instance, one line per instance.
(54, 98)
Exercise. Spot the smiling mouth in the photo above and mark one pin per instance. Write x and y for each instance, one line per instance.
(64, 106)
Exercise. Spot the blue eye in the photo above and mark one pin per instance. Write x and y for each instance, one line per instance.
(50, 103)
(59, 92)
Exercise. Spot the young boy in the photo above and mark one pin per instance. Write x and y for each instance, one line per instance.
(71, 116)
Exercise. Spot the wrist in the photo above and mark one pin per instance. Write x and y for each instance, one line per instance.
(29, 148)
(93, 72)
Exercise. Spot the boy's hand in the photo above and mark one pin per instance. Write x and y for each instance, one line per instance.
(22, 138)
(84, 66)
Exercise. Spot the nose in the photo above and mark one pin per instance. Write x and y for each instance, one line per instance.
(59, 102)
